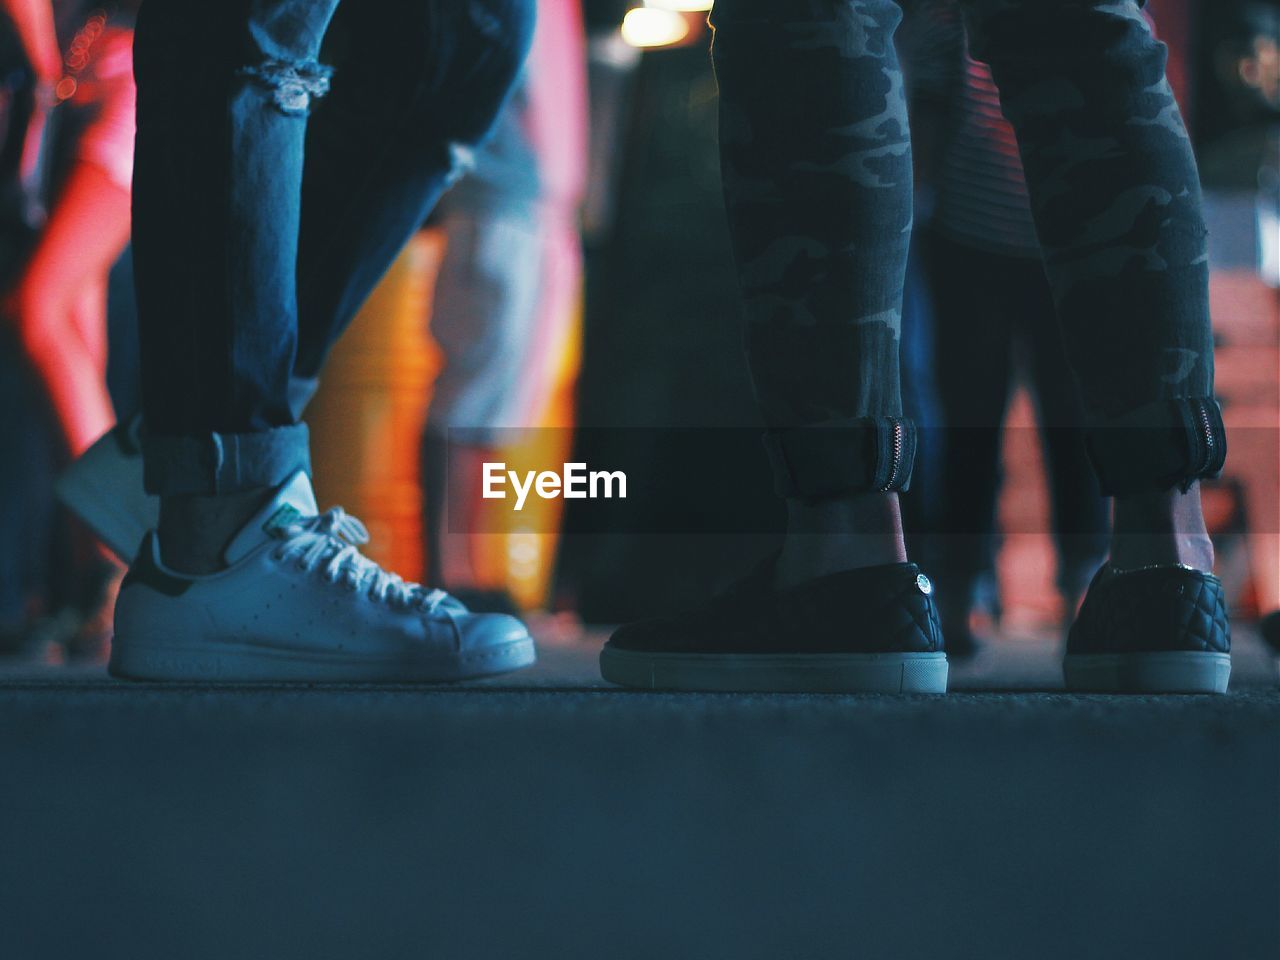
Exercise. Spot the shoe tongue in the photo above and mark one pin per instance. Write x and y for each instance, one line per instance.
(293, 502)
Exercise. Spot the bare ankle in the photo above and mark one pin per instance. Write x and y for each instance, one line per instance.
(830, 536)
(1164, 527)
(194, 531)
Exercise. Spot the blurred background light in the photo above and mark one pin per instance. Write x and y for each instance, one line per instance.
(652, 27)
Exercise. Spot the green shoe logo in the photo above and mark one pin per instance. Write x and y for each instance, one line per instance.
(281, 520)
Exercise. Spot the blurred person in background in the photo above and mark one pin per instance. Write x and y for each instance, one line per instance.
(1240, 160)
(507, 285)
(1240, 133)
(67, 116)
(817, 170)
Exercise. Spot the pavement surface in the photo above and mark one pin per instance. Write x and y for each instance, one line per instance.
(548, 815)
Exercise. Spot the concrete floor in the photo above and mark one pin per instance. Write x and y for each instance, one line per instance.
(546, 815)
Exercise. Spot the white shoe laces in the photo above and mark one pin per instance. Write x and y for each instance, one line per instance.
(331, 541)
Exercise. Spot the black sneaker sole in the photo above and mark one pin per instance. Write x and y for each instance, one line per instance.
(1166, 672)
(777, 673)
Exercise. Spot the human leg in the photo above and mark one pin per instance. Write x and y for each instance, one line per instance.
(976, 320)
(1116, 200)
(819, 207)
(816, 165)
(223, 98)
(407, 110)
(59, 303)
(407, 107)
(484, 319)
(225, 451)
(1081, 516)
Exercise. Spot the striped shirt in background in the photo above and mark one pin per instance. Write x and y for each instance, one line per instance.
(981, 194)
(974, 175)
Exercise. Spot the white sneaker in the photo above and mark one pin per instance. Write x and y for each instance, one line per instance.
(103, 487)
(298, 601)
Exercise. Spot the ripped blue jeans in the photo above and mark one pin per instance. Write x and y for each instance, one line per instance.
(250, 260)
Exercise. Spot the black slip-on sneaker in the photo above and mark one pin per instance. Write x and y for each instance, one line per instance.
(1269, 630)
(871, 630)
(1159, 629)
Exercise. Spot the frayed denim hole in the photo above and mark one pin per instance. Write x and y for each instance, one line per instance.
(293, 85)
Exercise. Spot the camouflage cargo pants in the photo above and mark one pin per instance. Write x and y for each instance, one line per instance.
(816, 163)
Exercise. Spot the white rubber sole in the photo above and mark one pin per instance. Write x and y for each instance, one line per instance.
(779, 673)
(104, 489)
(1171, 672)
(215, 661)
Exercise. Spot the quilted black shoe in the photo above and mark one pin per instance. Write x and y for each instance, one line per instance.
(871, 630)
(1153, 630)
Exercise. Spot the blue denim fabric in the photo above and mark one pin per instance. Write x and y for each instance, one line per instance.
(249, 261)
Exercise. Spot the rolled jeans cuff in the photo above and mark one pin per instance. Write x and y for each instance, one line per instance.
(217, 463)
(1170, 443)
(842, 457)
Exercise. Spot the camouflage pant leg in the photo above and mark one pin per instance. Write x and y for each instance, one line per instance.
(816, 163)
(1116, 201)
